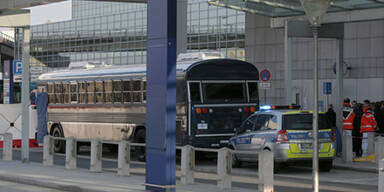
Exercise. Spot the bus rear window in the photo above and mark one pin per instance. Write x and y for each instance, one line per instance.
(303, 122)
(194, 89)
(223, 92)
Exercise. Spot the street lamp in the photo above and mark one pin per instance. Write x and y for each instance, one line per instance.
(315, 10)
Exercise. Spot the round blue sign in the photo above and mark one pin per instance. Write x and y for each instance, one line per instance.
(265, 75)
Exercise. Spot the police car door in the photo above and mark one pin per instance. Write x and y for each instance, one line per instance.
(244, 136)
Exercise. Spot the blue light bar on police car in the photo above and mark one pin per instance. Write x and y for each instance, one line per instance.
(265, 107)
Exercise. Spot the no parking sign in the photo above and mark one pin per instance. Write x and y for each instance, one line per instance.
(265, 75)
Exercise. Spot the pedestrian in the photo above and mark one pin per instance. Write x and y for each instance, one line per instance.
(356, 135)
(348, 117)
(331, 115)
(367, 128)
(379, 116)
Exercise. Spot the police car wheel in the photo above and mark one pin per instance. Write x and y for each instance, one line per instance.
(325, 166)
(236, 163)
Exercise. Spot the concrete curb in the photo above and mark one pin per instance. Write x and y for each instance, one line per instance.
(52, 185)
(354, 168)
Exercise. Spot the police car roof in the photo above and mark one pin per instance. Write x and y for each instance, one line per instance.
(286, 111)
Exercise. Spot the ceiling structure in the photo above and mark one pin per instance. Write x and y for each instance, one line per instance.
(286, 8)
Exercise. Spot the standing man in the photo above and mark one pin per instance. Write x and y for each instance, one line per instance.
(348, 117)
(367, 128)
(356, 135)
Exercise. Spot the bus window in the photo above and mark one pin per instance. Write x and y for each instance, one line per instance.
(58, 92)
(253, 91)
(194, 89)
(91, 92)
(117, 94)
(136, 91)
(73, 89)
(51, 93)
(66, 92)
(82, 92)
(99, 92)
(108, 91)
(144, 91)
(223, 92)
(127, 98)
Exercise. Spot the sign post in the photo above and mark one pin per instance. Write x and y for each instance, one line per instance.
(265, 76)
(327, 90)
(8, 90)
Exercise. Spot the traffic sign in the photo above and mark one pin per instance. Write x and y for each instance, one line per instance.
(327, 88)
(265, 75)
(17, 67)
(265, 85)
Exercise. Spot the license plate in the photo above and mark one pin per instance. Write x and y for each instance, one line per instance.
(308, 146)
(202, 126)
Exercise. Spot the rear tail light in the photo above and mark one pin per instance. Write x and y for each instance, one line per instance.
(246, 109)
(205, 110)
(198, 110)
(333, 137)
(282, 136)
(197, 132)
(253, 109)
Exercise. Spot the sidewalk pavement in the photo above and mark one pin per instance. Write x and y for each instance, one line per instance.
(368, 166)
(82, 180)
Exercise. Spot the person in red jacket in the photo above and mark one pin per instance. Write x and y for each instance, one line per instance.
(367, 128)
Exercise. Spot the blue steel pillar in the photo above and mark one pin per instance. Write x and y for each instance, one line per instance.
(161, 96)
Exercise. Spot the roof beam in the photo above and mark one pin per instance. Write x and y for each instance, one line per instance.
(337, 17)
(239, 8)
(280, 4)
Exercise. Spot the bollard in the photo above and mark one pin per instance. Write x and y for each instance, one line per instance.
(381, 176)
(266, 171)
(48, 151)
(371, 143)
(70, 153)
(187, 165)
(96, 153)
(379, 149)
(124, 159)
(224, 169)
(347, 149)
(7, 150)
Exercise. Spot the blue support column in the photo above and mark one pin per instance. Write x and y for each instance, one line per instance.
(161, 96)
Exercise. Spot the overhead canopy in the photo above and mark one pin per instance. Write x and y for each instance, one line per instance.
(284, 8)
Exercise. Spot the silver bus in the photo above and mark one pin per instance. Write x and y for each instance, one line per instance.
(214, 96)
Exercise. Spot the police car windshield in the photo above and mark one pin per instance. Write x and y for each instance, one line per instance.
(303, 122)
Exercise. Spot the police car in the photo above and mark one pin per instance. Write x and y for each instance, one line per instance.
(287, 133)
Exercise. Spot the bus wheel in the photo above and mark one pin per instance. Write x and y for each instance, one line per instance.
(58, 146)
(140, 138)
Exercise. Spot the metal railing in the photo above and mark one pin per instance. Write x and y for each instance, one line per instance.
(224, 159)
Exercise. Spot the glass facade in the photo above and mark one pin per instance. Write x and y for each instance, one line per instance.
(115, 33)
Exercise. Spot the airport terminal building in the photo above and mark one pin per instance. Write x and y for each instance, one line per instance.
(115, 33)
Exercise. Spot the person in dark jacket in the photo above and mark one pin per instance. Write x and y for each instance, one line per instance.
(356, 135)
(379, 116)
(331, 115)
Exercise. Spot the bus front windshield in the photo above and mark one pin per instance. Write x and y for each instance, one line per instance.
(223, 92)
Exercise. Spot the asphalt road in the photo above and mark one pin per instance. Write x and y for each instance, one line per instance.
(6, 186)
(288, 179)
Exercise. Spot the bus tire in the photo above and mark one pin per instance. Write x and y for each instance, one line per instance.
(140, 138)
(58, 146)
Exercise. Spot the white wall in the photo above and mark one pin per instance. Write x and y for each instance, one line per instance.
(355, 89)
